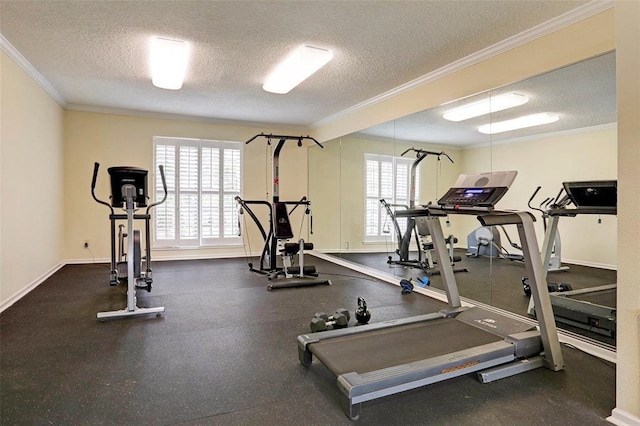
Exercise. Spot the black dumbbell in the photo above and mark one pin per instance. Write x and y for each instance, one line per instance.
(328, 317)
(318, 323)
(551, 287)
(362, 313)
(559, 287)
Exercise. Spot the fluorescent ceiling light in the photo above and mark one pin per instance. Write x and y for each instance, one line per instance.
(518, 123)
(295, 68)
(168, 62)
(486, 106)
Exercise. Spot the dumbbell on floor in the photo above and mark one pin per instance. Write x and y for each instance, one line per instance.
(322, 321)
(551, 287)
(327, 317)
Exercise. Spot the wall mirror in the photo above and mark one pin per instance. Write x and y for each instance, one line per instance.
(349, 177)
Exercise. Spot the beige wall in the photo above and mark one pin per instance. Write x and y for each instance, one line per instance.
(548, 161)
(31, 218)
(117, 140)
(628, 81)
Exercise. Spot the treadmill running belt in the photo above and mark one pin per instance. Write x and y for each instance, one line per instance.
(602, 298)
(374, 350)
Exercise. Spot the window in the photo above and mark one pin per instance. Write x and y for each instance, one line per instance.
(203, 178)
(389, 178)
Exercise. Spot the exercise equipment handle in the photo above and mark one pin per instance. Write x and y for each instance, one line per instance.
(284, 138)
(303, 201)
(164, 186)
(424, 153)
(534, 196)
(96, 166)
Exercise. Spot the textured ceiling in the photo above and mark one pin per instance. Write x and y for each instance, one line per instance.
(94, 53)
(583, 95)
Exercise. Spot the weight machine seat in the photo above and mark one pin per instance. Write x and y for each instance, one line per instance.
(294, 248)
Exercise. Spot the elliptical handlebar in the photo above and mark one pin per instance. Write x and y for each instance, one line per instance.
(284, 138)
(164, 186)
(96, 166)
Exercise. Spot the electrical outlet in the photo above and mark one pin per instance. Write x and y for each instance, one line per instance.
(86, 243)
(346, 245)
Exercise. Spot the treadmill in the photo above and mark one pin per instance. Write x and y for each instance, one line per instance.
(592, 309)
(408, 353)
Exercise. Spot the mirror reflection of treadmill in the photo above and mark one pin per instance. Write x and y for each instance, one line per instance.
(379, 359)
(594, 308)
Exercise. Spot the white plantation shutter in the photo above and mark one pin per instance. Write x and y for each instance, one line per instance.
(164, 214)
(188, 206)
(203, 178)
(389, 178)
(231, 184)
(210, 193)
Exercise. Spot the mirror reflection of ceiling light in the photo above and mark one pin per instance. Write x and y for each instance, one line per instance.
(486, 106)
(519, 123)
(168, 60)
(299, 65)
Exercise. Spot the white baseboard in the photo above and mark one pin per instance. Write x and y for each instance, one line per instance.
(86, 261)
(35, 283)
(196, 256)
(591, 264)
(160, 258)
(622, 418)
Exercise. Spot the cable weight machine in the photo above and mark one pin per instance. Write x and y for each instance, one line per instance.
(278, 231)
(129, 192)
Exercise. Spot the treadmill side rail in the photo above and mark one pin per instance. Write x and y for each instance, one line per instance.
(375, 384)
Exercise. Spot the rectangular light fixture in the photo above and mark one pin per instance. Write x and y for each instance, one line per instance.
(486, 106)
(168, 60)
(518, 123)
(295, 68)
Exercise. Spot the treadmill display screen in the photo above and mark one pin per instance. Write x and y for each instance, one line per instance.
(602, 194)
(472, 196)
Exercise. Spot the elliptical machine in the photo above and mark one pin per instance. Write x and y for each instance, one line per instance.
(278, 232)
(129, 192)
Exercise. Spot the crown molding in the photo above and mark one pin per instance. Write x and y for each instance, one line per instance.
(576, 15)
(22, 62)
(179, 117)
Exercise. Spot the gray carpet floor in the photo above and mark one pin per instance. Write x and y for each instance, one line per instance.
(225, 353)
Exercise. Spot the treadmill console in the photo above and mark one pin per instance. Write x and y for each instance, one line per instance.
(601, 194)
(472, 197)
(478, 190)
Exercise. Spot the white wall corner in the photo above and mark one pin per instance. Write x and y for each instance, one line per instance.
(26, 66)
(19, 295)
